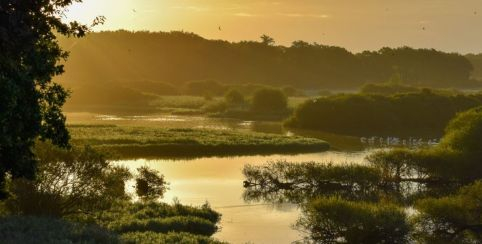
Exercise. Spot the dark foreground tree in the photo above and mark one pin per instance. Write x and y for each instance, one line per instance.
(30, 103)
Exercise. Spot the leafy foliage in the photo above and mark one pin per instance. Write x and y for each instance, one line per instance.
(30, 105)
(151, 216)
(334, 220)
(363, 114)
(30, 230)
(169, 238)
(150, 184)
(295, 182)
(452, 219)
(234, 97)
(301, 64)
(69, 181)
(456, 158)
(269, 101)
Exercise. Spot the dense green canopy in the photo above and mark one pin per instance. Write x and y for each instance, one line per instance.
(30, 104)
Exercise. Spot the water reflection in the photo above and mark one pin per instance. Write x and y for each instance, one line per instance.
(219, 181)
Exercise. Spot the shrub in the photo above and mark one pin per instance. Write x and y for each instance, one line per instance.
(22, 229)
(234, 98)
(451, 219)
(333, 220)
(68, 181)
(189, 224)
(362, 114)
(269, 100)
(169, 238)
(457, 158)
(149, 184)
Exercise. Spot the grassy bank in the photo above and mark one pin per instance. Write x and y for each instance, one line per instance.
(134, 142)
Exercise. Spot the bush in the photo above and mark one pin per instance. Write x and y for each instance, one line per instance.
(68, 181)
(18, 229)
(269, 100)
(150, 184)
(234, 98)
(451, 219)
(333, 220)
(362, 114)
(458, 157)
(169, 238)
(194, 225)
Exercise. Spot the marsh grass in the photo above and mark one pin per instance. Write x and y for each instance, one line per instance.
(135, 142)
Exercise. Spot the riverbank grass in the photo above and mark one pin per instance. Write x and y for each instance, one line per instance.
(149, 142)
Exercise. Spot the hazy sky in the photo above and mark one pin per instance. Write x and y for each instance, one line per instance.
(450, 25)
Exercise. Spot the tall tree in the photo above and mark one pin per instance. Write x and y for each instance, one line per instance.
(30, 103)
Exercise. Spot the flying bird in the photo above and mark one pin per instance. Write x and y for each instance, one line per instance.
(133, 10)
(219, 28)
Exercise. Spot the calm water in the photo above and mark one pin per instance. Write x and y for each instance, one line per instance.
(218, 180)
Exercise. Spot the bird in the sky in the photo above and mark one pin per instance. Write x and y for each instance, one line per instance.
(219, 28)
(423, 28)
(133, 10)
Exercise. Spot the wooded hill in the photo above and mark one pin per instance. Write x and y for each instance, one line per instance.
(177, 57)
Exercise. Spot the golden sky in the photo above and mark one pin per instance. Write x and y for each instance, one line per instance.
(450, 25)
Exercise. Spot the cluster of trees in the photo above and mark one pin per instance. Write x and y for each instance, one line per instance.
(166, 56)
(370, 203)
(264, 103)
(369, 114)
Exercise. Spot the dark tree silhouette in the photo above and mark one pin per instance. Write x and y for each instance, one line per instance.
(30, 104)
(267, 40)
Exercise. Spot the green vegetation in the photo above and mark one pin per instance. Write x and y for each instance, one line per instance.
(150, 184)
(269, 101)
(181, 57)
(132, 142)
(79, 197)
(388, 88)
(476, 60)
(396, 88)
(30, 230)
(334, 220)
(423, 112)
(457, 218)
(345, 203)
(31, 102)
(172, 237)
(265, 104)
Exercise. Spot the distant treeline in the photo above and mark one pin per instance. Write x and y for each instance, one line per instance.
(476, 60)
(423, 112)
(179, 57)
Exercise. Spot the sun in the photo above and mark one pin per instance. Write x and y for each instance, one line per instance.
(86, 11)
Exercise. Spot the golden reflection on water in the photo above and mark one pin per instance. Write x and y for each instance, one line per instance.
(218, 180)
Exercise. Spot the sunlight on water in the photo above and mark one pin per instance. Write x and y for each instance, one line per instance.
(218, 180)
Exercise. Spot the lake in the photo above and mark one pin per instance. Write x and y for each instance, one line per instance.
(219, 180)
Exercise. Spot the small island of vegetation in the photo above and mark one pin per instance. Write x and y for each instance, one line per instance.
(133, 142)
